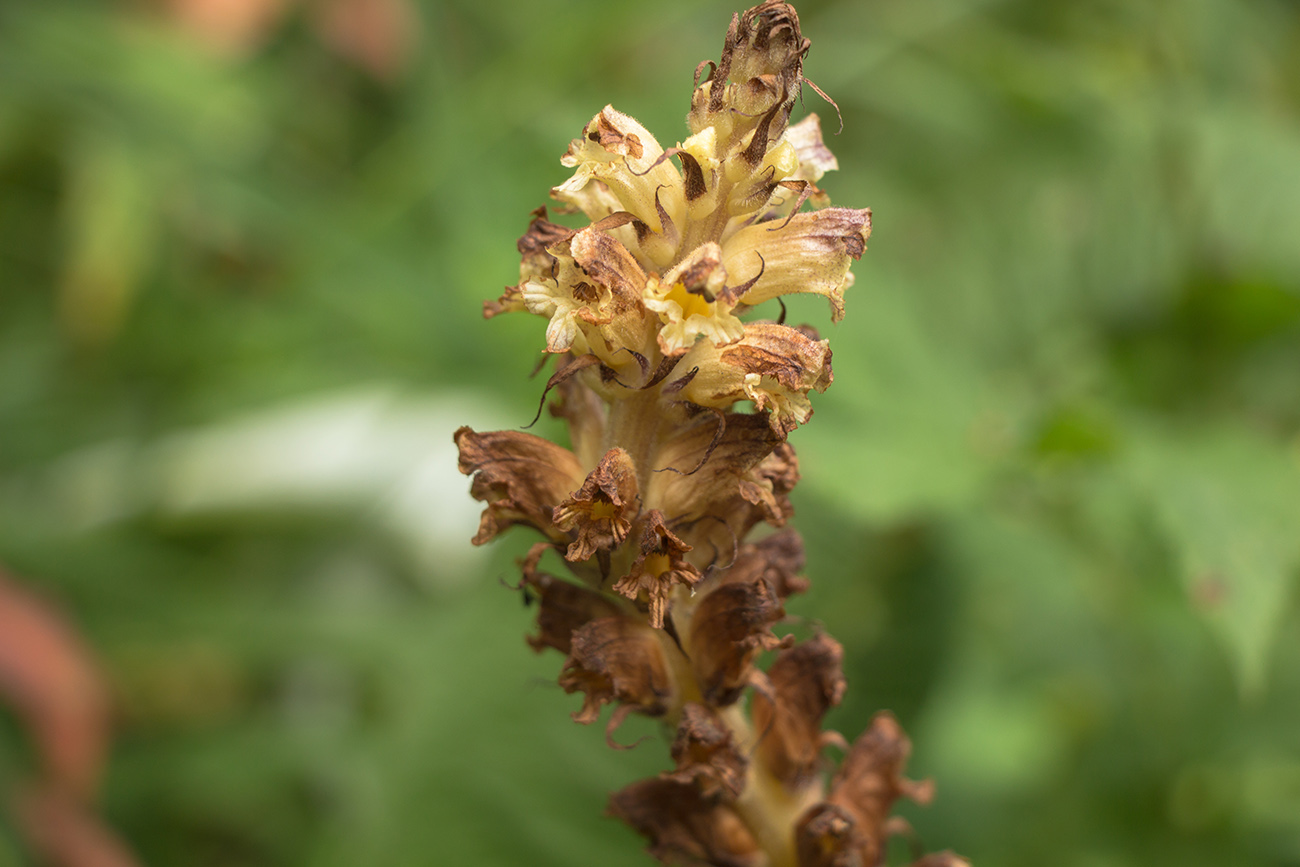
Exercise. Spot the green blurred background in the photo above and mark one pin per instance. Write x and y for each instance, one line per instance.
(1052, 501)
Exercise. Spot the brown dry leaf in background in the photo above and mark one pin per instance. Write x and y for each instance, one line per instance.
(48, 678)
(66, 832)
(377, 36)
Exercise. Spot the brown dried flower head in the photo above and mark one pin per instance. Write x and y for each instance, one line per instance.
(679, 403)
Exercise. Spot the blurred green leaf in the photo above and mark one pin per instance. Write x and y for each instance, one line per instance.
(1230, 502)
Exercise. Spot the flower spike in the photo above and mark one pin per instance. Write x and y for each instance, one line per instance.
(679, 406)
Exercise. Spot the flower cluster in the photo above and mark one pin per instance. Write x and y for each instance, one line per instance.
(653, 506)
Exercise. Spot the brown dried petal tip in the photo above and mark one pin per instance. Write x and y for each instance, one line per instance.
(782, 557)
(536, 262)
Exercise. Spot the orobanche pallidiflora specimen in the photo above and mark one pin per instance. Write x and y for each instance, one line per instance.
(656, 510)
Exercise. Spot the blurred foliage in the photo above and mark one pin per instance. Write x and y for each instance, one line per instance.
(1052, 501)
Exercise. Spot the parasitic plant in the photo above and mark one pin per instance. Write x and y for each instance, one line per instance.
(654, 509)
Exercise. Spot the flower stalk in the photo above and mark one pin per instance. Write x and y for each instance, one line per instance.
(653, 509)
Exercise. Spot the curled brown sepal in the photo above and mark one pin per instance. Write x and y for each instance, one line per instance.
(706, 754)
(851, 826)
(602, 510)
(521, 477)
(658, 569)
(617, 659)
(685, 826)
(731, 625)
(806, 682)
(563, 608)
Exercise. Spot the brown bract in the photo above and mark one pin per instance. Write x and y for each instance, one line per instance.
(805, 682)
(601, 511)
(685, 826)
(520, 476)
(658, 569)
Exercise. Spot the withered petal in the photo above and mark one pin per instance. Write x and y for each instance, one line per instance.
(783, 557)
(768, 485)
(806, 682)
(773, 365)
(815, 159)
(611, 265)
(706, 753)
(511, 301)
(705, 474)
(852, 826)
(680, 823)
(731, 625)
(520, 476)
(775, 559)
(827, 836)
(563, 608)
(616, 659)
(783, 353)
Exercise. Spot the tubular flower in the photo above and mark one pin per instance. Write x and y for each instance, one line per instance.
(679, 405)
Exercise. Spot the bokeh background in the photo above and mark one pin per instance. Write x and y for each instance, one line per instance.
(1052, 501)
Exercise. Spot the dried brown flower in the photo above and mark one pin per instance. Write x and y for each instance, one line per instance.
(679, 407)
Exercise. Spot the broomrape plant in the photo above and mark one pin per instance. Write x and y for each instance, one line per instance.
(653, 508)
